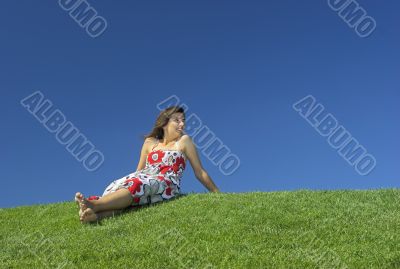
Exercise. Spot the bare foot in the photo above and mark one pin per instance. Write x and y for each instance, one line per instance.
(82, 202)
(88, 216)
(78, 200)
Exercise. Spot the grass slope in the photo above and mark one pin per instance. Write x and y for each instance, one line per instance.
(299, 229)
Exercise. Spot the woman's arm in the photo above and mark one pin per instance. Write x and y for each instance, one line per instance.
(191, 152)
(143, 154)
(206, 180)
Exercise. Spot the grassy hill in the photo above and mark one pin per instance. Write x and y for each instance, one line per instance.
(300, 229)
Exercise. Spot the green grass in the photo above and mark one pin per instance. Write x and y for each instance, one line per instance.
(299, 229)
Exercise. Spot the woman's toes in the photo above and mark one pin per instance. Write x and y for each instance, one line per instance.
(78, 197)
(80, 213)
(88, 215)
(82, 202)
(83, 205)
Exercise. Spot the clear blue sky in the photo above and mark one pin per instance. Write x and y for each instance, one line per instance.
(239, 65)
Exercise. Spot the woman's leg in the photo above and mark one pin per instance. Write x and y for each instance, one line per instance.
(88, 215)
(107, 214)
(119, 199)
(106, 206)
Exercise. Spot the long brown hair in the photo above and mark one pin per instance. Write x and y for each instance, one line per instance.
(162, 120)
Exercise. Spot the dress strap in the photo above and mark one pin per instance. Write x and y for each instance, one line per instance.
(155, 145)
(177, 142)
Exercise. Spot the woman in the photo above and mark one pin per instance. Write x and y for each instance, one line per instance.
(157, 178)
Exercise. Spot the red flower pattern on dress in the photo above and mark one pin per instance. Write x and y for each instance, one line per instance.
(168, 190)
(135, 187)
(164, 169)
(155, 157)
(177, 164)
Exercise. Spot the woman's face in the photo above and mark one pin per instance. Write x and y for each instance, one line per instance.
(176, 124)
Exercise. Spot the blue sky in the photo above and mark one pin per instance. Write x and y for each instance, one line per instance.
(238, 65)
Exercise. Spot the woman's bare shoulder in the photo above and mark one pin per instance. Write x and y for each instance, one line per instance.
(185, 138)
(185, 141)
(149, 143)
(150, 140)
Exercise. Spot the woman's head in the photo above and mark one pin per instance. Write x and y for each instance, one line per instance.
(170, 121)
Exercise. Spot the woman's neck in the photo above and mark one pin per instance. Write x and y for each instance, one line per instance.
(167, 140)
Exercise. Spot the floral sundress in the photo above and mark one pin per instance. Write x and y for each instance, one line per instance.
(158, 181)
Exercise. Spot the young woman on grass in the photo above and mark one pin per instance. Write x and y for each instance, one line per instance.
(157, 178)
